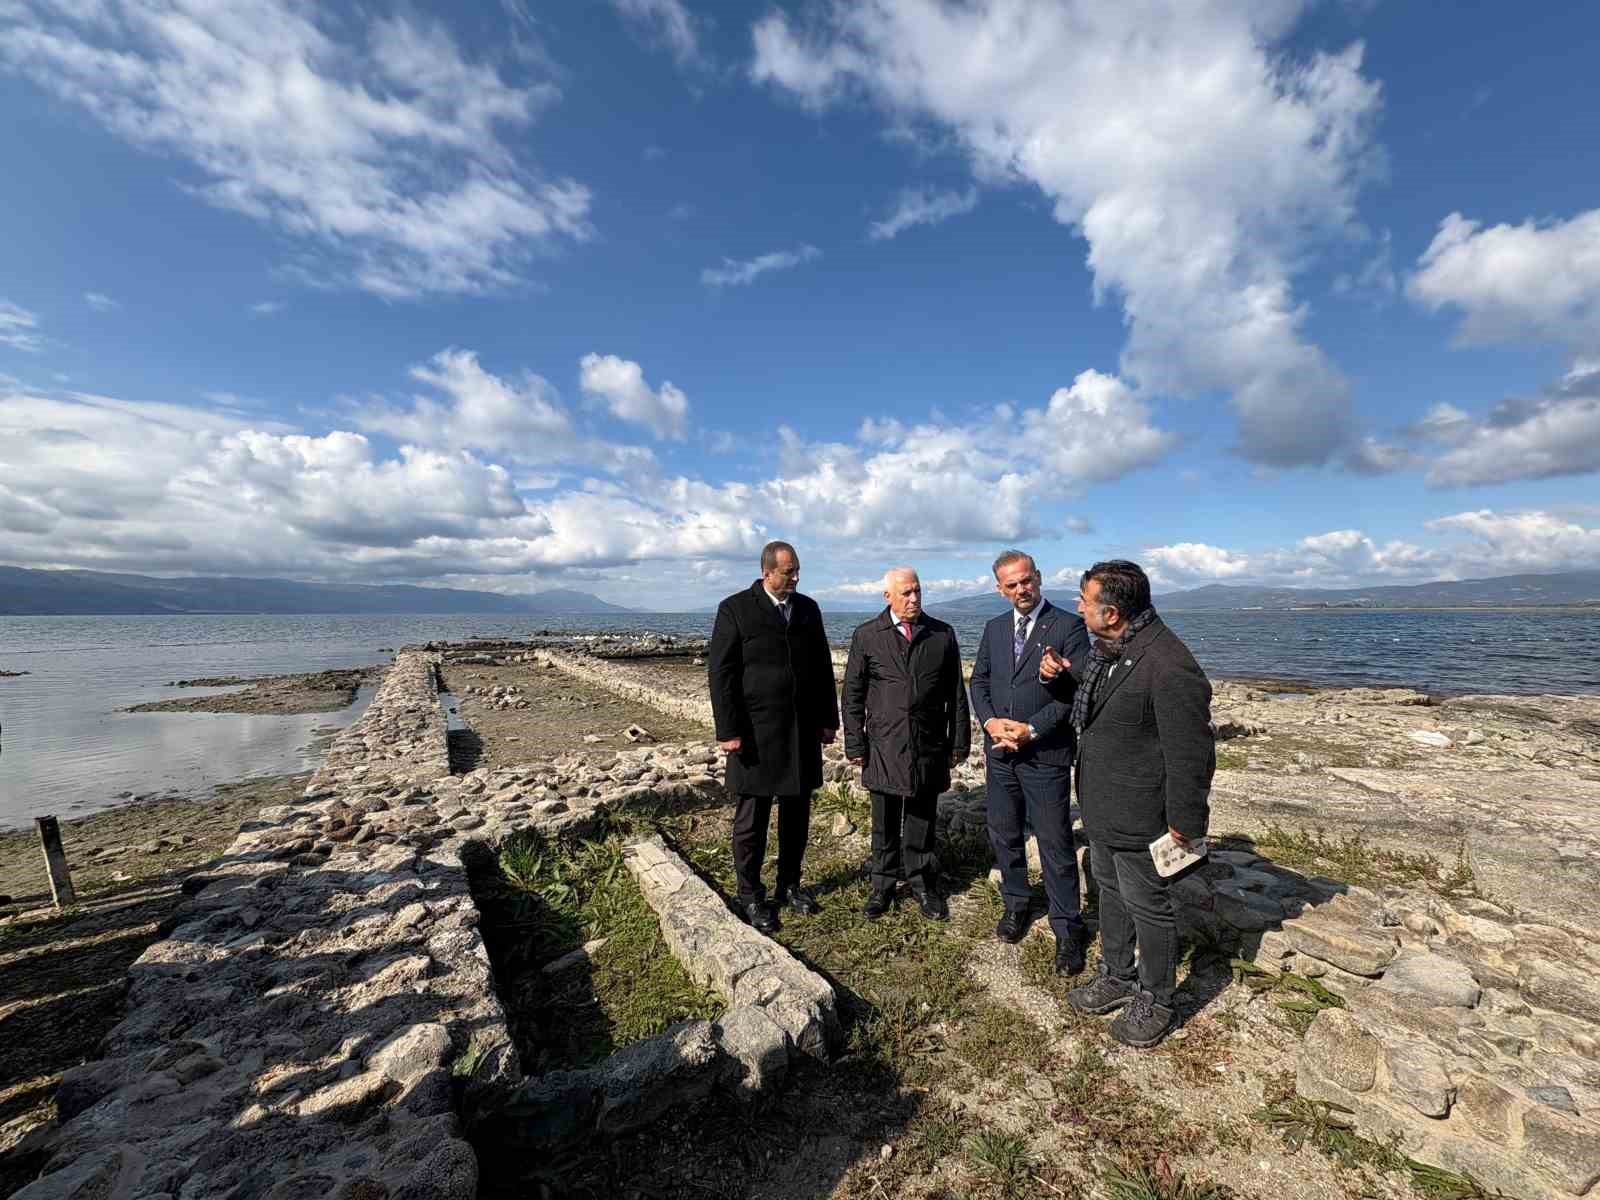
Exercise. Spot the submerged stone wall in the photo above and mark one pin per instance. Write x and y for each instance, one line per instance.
(294, 1032)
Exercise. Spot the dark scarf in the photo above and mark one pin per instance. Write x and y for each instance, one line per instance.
(1102, 654)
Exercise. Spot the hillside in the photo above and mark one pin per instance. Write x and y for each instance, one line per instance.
(1565, 588)
(26, 592)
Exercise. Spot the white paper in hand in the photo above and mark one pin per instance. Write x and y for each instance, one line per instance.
(1170, 858)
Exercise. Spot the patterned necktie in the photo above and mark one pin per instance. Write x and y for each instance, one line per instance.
(1019, 639)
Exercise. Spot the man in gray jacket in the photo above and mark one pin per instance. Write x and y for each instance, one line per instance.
(1146, 754)
(905, 725)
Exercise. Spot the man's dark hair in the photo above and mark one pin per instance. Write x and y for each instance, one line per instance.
(770, 552)
(1123, 585)
(1007, 557)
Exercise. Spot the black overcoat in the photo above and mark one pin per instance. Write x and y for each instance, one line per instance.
(1147, 753)
(772, 686)
(905, 705)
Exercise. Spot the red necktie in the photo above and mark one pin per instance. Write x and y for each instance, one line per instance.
(905, 628)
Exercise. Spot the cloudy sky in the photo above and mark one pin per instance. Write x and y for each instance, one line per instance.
(606, 294)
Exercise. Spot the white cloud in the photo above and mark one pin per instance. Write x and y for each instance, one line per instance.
(1555, 434)
(619, 383)
(666, 22)
(478, 485)
(382, 148)
(1468, 545)
(736, 273)
(267, 308)
(1095, 430)
(1531, 281)
(1343, 557)
(1510, 543)
(522, 419)
(922, 206)
(92, 481)
(1200, 160)
(19, 328)
(100, 302)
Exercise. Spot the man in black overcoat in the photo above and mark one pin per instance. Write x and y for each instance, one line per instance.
(775, 705)
(1030, 744)
(1146, 755)
(905, 725)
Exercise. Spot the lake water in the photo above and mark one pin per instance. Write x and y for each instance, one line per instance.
(70, 749)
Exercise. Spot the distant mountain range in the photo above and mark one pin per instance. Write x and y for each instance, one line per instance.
(1502, 591)
(102, 593)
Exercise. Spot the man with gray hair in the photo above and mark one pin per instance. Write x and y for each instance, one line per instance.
(1028, 734)
(905, 725)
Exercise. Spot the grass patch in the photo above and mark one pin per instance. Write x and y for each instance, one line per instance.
(1229, 759)
(1141, 1181)
(1438, 1184)
(1353, 859)
(1002, 1161)
(1328, 1128)
(1298, 998)
(541, 900)
(993, 1037)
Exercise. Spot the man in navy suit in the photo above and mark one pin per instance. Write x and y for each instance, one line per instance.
(1027, 732)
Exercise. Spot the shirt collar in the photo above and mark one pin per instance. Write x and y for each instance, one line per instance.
(777, 603)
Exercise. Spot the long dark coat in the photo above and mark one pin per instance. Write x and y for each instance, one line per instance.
(905, 705)
(1147, 753)
(772, 686)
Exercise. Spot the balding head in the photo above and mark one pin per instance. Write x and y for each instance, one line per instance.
(902, 591)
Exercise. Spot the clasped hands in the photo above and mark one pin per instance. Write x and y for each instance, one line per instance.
(1008, 734)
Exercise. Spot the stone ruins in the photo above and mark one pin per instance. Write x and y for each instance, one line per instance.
(319, 1018)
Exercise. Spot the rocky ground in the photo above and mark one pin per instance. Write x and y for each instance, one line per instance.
(518, 712)
(1509, 784)
(317, 691)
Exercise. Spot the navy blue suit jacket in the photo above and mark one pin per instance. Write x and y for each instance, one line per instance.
(1003, 688)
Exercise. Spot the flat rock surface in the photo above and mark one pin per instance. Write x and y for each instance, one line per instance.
(318, 691)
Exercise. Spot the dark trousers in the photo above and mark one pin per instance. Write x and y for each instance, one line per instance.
(1136, 909)
(750, 818)
(903, 830)
(1040, 795)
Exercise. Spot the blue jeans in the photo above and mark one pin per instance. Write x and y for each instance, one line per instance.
(1040, 795)
(1136, 909)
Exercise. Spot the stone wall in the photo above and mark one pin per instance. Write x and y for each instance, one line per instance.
(294, 1032)
(777, 1009)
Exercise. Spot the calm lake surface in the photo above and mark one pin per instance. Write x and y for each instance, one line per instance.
(69, 748)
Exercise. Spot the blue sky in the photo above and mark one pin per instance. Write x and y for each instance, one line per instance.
(606, 294)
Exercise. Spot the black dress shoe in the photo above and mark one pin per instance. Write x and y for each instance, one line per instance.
(1070, 958)
(878, 903)
(797, 898)
(1013, 925)
(931, 903)
(762, 917)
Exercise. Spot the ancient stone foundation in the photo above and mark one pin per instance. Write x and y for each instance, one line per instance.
(294, 1033)
(322, 1007)
(777, 1010)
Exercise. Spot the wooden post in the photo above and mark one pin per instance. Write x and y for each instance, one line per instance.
(55, 861)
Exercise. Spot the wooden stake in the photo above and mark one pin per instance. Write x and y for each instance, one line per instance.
(55, 861)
